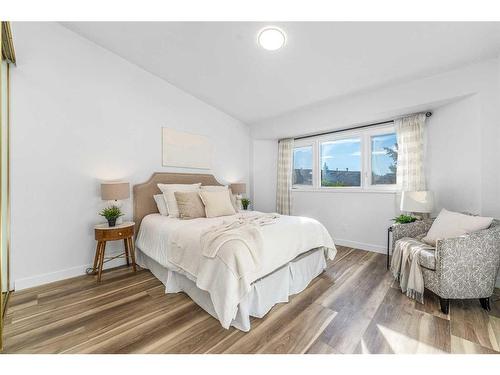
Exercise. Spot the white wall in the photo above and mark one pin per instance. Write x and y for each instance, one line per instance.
(357, 220)
(453, 162)
(81, 114)
(462, 149)
(265, 158)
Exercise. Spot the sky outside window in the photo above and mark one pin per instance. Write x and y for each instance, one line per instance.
(302, 165)
(383, 159)
(342, 154)
(302, 158)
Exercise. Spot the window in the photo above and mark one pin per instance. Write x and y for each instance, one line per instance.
(303, 166)
(358, 160)
(341, 163)
(384, 157)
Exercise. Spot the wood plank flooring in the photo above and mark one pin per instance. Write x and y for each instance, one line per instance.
(353, 307)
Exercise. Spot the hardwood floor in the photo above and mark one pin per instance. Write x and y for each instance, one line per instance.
(353, 307)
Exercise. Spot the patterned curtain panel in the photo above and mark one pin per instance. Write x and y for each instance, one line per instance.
(284, 188)
(410, 136)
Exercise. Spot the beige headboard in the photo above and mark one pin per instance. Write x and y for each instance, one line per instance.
(144, 203)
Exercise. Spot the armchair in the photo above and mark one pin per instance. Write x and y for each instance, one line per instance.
(464, 267)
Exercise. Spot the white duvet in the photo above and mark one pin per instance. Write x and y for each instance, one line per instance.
(175, 244)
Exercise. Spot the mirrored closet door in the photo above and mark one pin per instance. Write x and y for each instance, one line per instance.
(6, 60)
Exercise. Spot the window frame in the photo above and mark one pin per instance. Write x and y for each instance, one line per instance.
(338, 137)
(384, 130)
(365, 136)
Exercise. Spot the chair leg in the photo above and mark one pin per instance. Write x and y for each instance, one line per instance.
(445, 305)
(485, 303)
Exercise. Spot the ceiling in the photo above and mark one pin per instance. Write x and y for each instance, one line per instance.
(221, 63)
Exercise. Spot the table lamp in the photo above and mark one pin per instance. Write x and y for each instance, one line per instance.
(115, 191)
(417, 202)
(238, 189)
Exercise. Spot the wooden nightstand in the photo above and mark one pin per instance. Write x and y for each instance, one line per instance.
(104, 233)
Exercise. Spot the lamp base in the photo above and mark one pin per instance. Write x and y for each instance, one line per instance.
(238, 202)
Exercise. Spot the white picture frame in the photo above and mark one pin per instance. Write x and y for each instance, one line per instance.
(186, 150)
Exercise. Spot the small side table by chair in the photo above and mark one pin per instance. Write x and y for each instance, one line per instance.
(104, 233)
(389, 231)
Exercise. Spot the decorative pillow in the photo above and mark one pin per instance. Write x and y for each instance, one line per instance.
(189, 204)
(222, 188)
(450, 224)
(168, 191)
(161, 204)
(217, 203)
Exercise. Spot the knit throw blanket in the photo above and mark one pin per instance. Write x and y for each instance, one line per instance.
(244, 230)
(405, 267)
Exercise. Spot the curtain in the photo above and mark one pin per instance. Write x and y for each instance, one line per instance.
(284, 188)
(410, 137)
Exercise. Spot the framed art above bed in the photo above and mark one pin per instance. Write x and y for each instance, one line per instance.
(186, 150)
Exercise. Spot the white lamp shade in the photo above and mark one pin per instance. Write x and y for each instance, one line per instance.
(417, 201)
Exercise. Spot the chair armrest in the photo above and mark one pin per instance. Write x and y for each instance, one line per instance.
(411, 230)
(468, 265)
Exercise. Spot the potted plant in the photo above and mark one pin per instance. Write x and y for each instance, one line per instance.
(245, 202)
(111, 214)
(404, 219)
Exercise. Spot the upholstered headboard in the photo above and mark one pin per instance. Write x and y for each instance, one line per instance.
(144, 203)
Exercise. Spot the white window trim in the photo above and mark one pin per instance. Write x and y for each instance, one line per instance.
(366, 186)
(337, 137)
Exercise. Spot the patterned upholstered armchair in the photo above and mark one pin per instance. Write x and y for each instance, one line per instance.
(464, 267)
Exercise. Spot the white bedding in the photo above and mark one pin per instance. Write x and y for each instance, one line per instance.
(284, 240)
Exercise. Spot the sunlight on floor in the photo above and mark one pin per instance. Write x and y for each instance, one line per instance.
(364, 348)
(494, 334)
(400, 343)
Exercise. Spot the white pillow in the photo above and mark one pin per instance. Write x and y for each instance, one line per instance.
(217, 203)
(450, 224)
(161, 204)
(234, 202)
(168, 191)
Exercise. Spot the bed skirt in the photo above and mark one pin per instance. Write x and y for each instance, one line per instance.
(266, 292)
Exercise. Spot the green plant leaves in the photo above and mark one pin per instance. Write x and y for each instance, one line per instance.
(404, 219)
(112, 212)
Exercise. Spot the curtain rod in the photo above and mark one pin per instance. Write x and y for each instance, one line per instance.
(427, 114)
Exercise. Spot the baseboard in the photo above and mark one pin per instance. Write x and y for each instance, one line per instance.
(361, 245)
(45, 278)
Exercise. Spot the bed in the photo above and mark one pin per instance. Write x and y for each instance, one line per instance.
(295, 251)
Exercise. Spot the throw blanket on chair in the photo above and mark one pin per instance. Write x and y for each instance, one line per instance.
(405, 267)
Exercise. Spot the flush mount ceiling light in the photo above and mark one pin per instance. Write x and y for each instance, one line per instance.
(271, 38)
